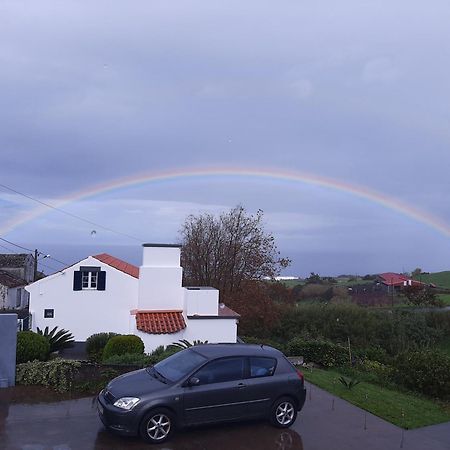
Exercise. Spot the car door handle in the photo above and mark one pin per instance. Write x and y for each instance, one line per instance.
(241, 385)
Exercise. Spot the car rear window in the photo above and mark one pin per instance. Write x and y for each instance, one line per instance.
(262, 367)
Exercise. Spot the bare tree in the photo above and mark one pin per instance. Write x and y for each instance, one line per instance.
(226, 250)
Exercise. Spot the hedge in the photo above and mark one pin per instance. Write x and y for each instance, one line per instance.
(320, 352)
(96, 343)
(31, 346)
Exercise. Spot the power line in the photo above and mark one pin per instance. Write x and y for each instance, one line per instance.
(31, 251)
(75, 216)
(17, 245)
(41, 263)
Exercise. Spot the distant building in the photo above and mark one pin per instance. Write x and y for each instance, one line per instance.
(12, 292)
(19, 265)
(105, 294)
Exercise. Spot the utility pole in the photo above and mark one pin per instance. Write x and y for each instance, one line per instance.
(36, 253)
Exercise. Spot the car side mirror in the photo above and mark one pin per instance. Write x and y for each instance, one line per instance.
(193, 381)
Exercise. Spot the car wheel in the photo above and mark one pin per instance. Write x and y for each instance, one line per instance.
(157, 426)
(284, 413)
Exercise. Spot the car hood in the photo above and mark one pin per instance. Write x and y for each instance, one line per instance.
(135, 383)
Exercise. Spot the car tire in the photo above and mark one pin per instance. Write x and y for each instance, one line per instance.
(157, 426)
(283, 413)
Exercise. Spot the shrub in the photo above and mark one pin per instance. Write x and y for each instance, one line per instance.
(161, 353)
(57, 339)
(31, 346)
(320, 352)
(96, 343)
(119, 345)
(129, 359)
(57, 373)
(382, 372)
(426, 371)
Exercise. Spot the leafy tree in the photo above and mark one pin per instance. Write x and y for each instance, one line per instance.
(227, 250)
(416, 272)
(314, 278)
(421, 296)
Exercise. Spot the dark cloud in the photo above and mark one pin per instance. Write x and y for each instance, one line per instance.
(359, 92)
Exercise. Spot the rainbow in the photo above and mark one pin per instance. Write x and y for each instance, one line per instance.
(363, 192)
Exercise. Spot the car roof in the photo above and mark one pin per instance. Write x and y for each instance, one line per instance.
(211, 351)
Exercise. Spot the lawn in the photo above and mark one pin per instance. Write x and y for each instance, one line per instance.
(440, 279)
(445, 298)
(402, 409)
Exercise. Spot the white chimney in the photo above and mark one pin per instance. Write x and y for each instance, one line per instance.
(160, 278)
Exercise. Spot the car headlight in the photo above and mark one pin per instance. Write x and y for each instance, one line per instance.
(127, 403)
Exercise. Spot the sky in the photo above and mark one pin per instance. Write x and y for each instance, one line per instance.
(356, 92)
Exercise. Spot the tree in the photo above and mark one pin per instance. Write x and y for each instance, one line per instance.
(421, 296)
(224, 251)
(416, 272)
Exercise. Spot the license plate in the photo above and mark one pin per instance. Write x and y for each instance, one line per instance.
(100, 408)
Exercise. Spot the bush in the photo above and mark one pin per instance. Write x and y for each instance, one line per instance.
(119, 345)
(57, 373)
(320, 352)
(31, 346)
(426, 371)
(270, 342)
(96, 343)
(129, 359)
(161, 353)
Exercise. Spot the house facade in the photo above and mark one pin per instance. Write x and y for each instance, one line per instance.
(18, 265)
(104, 294)
(12, 292)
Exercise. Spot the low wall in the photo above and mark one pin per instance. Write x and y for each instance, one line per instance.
(8, 343)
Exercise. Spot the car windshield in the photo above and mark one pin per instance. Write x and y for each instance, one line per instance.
(179, 365)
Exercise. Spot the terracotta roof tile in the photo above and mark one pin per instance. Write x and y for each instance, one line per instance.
(118, 264)
(160, 322)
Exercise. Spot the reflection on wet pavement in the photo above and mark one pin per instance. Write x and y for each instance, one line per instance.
(33, 419)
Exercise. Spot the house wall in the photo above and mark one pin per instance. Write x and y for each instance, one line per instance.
(201, 301)
(25, 272)
(3, 297)
(84, 312)
(211, 330)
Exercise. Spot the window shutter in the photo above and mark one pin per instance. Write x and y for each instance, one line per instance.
(101, 280)
(77, 281)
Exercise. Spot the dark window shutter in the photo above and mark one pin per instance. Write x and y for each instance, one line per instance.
(77, 281)
(101, 280)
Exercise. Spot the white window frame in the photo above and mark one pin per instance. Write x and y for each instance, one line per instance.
(89, 280)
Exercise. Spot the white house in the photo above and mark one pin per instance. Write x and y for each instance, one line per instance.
(103, 294)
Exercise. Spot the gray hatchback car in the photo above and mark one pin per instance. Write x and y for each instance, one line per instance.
(203, 384)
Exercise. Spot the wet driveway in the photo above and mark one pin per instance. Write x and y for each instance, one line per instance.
(35, 419)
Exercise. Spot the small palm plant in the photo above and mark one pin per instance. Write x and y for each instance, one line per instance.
(58, 340)
(184, 343)
(349, 383)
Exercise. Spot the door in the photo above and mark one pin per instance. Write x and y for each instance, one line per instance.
(219, 394)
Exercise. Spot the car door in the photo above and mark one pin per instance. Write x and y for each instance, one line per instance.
(261, 386)
(219, 394)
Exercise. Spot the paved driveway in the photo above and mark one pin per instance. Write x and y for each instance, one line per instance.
(29, 421)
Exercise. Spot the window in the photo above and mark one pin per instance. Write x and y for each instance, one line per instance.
(262, 367)
(221, 370)
(49, 313)
(89, 278)
(18, 298)
(179, 365)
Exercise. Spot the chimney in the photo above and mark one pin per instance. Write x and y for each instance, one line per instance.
(160, 278)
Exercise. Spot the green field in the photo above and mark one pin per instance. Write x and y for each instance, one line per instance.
(440, 279)
(402, 409)
(445, 298)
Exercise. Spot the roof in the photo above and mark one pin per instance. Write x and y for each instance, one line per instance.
(397, 279)
(118, 264)
(13, 260)
(10, 281)
(214, 350)
(223, 312)
(160, 322)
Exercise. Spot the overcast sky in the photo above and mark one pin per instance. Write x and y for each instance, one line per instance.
(358, 91)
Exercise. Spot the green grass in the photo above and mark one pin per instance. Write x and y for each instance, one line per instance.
(440, 279)
(402, 409)
(445, 298)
